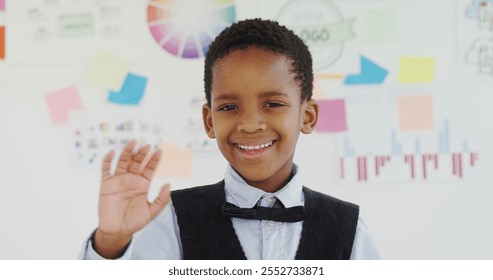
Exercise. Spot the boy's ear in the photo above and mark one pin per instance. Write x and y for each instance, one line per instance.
(310, 116)
(207, 118)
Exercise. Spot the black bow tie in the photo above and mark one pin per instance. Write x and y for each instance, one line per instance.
(289, 215)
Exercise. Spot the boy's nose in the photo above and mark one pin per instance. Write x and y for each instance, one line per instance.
(251, 121)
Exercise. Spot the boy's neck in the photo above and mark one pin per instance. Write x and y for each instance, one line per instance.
(270, 188)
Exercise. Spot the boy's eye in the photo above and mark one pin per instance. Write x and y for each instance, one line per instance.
(273, 104)
(227, 107)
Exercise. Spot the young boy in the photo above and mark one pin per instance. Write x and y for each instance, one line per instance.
(258, 83)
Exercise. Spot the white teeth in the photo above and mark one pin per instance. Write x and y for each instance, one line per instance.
(256, 147)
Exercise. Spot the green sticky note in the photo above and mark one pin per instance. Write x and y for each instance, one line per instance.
(379, 26)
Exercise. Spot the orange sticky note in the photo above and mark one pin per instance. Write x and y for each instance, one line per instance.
(415, 113)
(175, 161)
(318, 92)
(61, 102)
(2, 42)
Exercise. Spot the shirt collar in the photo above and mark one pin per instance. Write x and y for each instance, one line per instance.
(243, 195)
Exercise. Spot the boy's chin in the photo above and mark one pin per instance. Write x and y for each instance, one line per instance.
(261, 179)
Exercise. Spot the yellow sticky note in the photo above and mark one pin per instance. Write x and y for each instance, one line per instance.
(416, 70)
(175, 161)
(415, 113)
(108, 70)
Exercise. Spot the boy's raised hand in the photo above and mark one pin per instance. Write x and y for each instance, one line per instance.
(123, 205)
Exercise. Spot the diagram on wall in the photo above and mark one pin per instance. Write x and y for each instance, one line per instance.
(475, 39)
(93, 134)
(185, 28)
(69, 31)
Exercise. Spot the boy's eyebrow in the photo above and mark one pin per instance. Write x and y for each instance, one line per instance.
(225, 96)
(272, 93)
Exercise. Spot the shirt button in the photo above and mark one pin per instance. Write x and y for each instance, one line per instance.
(271, 224)
(271, 201)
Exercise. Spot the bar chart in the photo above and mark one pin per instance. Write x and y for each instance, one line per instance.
(438, 162)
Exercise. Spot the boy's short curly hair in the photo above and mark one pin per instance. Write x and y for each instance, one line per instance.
(265, 34)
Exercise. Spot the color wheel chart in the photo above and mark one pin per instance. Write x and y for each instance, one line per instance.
(185, 28)
(435, 162)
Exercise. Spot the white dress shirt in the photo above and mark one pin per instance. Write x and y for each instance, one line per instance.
(271, 240)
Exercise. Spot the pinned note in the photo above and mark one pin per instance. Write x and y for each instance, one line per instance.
(2, 42)
(132, 91)
(379, 26)
(416, 70)
(332, 116)
(108, 70)
(61, 102)
(175, 161)
(76, 25)
(415, 113)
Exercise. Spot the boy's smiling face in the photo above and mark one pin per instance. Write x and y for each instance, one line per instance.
(256, 115)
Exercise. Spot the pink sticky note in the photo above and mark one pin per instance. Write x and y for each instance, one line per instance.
(332, 116)
(2, 5)
(61, 102)
(415, 113)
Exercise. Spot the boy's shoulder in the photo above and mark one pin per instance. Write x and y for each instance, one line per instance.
(209, 187)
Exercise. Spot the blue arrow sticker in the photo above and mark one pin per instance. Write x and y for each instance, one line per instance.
(371, 73)
(132, 91)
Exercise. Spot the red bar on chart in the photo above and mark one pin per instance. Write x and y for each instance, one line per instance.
(362, 172)
(410, 159)
(424, 166)
(457, 164)
(377, 165)
(473, 158)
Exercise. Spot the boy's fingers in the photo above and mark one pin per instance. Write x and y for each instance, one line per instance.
(137, 159)
(108, 158)
(161, 200)
(151, 165)
(125, 157)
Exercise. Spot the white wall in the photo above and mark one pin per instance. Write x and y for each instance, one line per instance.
(48, 205)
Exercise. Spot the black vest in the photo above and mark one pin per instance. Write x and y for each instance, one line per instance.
(328, 231)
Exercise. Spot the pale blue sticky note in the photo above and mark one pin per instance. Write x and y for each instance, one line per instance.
(371, 73)
(132, 91)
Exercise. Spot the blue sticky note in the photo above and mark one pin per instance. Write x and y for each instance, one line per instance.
(131, 92)
(371, 73)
